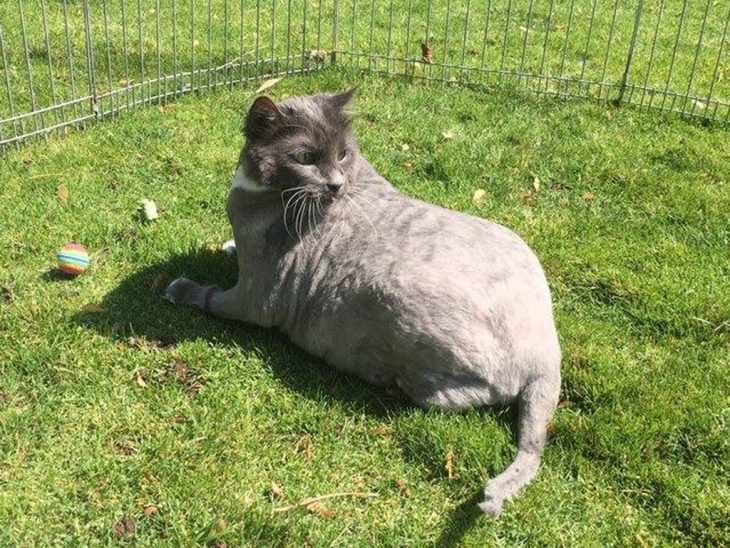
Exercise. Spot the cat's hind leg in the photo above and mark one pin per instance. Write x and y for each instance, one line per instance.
(537, 402)
(211, 299)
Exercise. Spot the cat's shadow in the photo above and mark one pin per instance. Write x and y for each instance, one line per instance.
(136, 310)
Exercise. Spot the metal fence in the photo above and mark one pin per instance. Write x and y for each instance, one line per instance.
(66, 63)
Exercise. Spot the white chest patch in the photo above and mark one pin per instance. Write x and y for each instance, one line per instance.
(242, 182)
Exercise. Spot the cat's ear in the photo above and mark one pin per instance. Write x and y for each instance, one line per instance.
(262, 116)
(345, 102)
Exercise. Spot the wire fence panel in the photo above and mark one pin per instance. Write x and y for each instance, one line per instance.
(69, 62)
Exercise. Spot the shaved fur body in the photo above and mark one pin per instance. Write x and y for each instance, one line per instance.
(453, 309)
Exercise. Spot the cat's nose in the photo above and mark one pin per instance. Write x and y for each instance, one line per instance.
(334, 186)
(335, 183)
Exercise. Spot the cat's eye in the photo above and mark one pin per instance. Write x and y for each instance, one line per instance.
(342, 155)
(305, 158)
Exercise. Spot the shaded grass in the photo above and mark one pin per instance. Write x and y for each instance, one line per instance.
(629, 218)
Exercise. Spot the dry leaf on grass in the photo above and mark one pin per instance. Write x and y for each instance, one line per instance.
(403, 488)
(125, 528)
(145, 344)
(151, 510)
(126, 82)
(589, 197)
(275, 492)
(93, 308)
(268, 84)
(318, 55)
(449, 465)
(319, 508)
(405, 147)
(140, 379)
(306, 446)
(63, 193)
(426, 53)
(307, 503)
(7, 295)
(528, 197)
(448, 135)
(536, 183)
(383, 431)
(480, 196)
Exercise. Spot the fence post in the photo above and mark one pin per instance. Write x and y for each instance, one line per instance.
(632, 47)
(90, 65)
(336, 16)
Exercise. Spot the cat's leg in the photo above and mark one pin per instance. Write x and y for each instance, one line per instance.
(230, 304)
(537, 403)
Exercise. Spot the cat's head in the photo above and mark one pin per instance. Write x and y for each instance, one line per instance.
(305, 142)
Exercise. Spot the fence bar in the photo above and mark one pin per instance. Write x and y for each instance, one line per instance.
(335, 20)
(674, 54)
(694, 62)
(717, 65)
(27, 60)
(651, 55)
(632, 48)
(608, 48)
(49, 57)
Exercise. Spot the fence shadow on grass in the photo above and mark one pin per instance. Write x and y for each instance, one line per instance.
(136, 309)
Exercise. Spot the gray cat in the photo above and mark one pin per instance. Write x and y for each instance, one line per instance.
(452, 309)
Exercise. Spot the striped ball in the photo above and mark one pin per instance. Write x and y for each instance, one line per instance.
(73, 259)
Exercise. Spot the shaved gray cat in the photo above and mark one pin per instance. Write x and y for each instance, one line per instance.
(452, 309)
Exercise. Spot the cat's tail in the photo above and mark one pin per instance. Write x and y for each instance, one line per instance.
(537, 403)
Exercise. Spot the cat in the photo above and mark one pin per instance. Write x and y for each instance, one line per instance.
(452, 309)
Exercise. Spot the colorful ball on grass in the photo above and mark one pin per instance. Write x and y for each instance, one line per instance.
(73, 259)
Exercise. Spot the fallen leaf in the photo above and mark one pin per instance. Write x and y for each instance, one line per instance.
(63, 193)
(145, 344)
(450, 465)
(93, 308)
(305, 446)
(405, 146)
(27, 160)
(140, 379)
(268, 84)
(7, 294)
(151, 510)
(480, 196)
(536, 183)
(126, 447)
(276, 492)
(426, 53)
(528, 197)
(126, 82)
(160, 280)
(318, 55)
(403, 488)
(125, 527)
(178, 369)
(448, 135)
(321, 509)
(383, 431)
(589, 197)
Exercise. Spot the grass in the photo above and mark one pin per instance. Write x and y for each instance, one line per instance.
(113, 402)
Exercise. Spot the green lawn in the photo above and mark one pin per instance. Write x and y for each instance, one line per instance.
(113, 401)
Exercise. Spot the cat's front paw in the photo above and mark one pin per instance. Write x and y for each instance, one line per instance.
(181, 290)
(229, 247)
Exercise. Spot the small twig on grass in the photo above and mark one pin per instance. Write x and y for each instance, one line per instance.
(308, 502)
